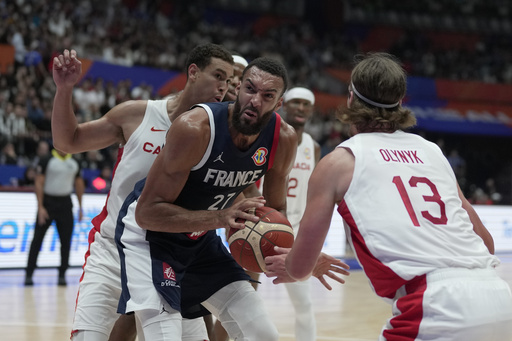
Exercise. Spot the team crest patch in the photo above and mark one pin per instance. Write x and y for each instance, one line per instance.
(260, 156)
(307, 153)
(168, 272)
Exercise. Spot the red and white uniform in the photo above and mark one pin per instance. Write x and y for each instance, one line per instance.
(298, 181)
(100, 285)
(416, 243)
(300, 292)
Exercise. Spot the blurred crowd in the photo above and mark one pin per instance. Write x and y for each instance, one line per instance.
(160, 33)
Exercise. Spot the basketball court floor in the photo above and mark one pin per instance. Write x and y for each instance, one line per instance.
(350, 312)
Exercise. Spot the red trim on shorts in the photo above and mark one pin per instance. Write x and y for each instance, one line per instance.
(407, 325)
(385, 281)
(96, 226)
(277, 130)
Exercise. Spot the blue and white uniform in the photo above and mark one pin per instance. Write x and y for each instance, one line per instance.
(188, 268)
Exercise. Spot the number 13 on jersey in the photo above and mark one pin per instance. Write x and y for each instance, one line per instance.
(433, 196)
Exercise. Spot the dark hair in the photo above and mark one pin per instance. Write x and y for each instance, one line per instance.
(380, 78)
(202, 55)
(272, 66)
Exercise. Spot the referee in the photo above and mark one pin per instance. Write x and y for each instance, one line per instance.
(56, 176)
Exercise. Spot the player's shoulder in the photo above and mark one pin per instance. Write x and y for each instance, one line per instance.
(126, 109)
(287, 131)
(193, 121)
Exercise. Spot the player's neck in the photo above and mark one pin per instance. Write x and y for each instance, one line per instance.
(178, 105)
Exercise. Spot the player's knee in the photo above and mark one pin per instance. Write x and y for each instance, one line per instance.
(162, 325)
(194, 329)
(247, 324)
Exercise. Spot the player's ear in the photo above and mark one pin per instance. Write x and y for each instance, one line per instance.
(279, 104)
(350, 98)
(193, 70)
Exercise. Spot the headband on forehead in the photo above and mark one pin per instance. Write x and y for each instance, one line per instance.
(240, 60)
(369, 101)
(301, 93)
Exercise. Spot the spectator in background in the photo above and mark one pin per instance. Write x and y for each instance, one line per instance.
(29, 177)
(8, 155)
(142, 91)
(479, 197)
(42, 152)
(490, 188)
(35, 112)
(458, 163)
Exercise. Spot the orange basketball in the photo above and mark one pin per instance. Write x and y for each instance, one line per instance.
(250, 246)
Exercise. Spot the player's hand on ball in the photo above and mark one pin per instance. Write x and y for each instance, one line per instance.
(239, 212)
(327, 265)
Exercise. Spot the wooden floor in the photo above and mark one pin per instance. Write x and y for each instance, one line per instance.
(44, 312)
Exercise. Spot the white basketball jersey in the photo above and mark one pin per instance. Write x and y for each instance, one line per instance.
(133, 163)
(403, 214)
(298, 181)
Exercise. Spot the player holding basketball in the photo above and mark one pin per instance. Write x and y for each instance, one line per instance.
(140, 128)
(212, 153)
(417, 238)
(298, 109)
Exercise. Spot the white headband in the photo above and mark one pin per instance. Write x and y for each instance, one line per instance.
(369, 101)
(301, 93)
(240, 60)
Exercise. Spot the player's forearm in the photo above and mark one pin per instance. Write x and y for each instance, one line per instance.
(64, 122)
(166, 217)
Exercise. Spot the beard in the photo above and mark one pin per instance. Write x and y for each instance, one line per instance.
(243, 126)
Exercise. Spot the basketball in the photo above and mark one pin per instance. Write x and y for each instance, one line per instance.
(250, 246)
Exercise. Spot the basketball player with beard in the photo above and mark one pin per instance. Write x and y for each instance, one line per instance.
(171, 256)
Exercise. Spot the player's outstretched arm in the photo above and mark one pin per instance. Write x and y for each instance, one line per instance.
(326, 266)
(72, 137)
(327, 187)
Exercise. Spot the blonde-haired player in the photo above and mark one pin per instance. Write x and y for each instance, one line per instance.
(417, 238)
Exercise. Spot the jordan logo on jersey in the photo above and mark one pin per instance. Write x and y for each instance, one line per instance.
(260, 156)
(219, 158)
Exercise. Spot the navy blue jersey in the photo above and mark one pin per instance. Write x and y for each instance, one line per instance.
(225, 171)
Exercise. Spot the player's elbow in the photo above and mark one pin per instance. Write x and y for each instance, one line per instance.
(141, 218)
(62, 146)
(65, 146)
